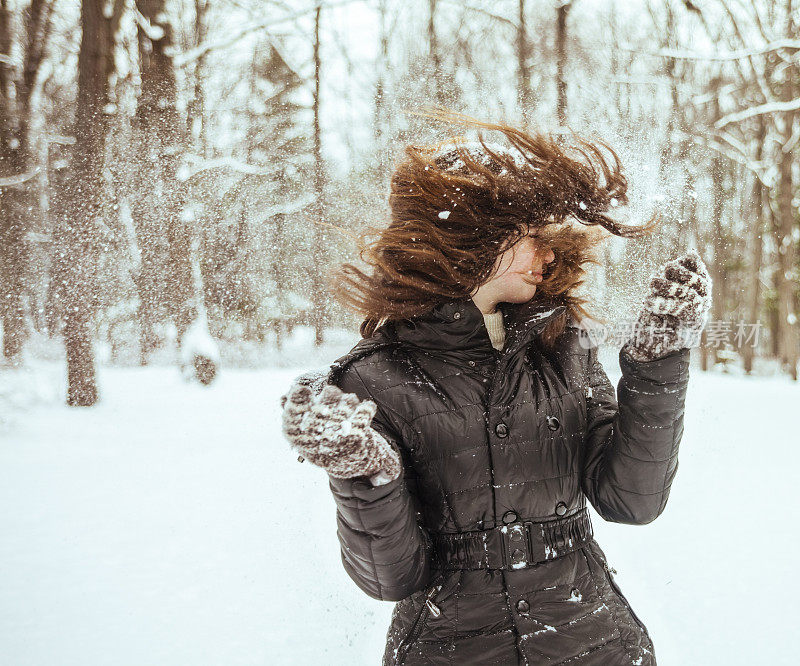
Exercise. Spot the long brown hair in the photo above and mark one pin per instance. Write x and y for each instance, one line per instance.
(456, 206)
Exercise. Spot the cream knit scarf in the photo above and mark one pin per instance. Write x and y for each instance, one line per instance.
(494, 325)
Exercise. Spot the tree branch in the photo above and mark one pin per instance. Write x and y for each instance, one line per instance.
(722, 57)
(761, 109)
(484, 12)
(11, 181)
(199, 164)
(181, 59)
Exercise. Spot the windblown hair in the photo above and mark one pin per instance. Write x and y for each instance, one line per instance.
(455, 206)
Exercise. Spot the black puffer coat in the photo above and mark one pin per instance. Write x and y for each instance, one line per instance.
(485, 540)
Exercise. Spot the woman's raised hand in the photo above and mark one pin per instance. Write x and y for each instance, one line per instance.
(331, 429)
(675, 310)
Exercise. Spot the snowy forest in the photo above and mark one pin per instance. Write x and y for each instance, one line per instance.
(176, 174)
(178, 180)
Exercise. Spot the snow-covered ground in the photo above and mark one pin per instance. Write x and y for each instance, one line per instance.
(172, 525)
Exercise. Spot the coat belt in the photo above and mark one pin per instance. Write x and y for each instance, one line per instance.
(518, 545)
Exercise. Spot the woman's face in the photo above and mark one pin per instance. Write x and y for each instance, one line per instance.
(519, 271)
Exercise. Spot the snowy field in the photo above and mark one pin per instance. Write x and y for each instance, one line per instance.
(172, 525)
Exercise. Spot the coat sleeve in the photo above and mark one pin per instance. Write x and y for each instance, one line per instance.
(631, 454)
(384, 549)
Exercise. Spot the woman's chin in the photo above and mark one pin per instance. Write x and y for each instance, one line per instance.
(523, 295)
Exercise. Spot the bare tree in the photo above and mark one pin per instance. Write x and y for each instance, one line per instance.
(18, 192)
(785, 240)
(524, 92)
(196, 113)
(756, 213)
(318, 290)
(379, 118)
(434, 53)
(78, 218)
(165, 278)
(562, 11)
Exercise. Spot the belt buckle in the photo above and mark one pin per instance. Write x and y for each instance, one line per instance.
(517, 551)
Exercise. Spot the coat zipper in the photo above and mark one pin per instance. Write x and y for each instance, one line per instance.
(617, 589)
(416, 628)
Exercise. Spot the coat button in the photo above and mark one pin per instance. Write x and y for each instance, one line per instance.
(518, 555)
(509, 517)
(561, 509)
(501, 430)
(553, 423)
(523, 606)
(456, 315)
(471, 364)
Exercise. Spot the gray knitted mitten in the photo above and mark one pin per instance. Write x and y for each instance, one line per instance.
(674, 313)
(331, 429)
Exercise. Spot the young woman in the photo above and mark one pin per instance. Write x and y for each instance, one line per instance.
(464, 434)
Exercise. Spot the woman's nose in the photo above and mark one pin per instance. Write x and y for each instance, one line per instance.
(549, 256)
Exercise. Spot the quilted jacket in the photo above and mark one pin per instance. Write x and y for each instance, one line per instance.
(485, 541)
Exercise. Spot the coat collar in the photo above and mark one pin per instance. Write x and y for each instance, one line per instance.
(458, 326)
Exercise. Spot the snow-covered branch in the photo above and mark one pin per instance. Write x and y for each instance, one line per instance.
(290, 208)
(791, 142)
(182, 59)
(60, 139)
(198, 164)
(722, 56)
(154, 32)
(11, 181)
(485, 12)
(761, 109)
(736, 154)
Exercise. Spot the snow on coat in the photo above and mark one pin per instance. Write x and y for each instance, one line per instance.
(485, 541)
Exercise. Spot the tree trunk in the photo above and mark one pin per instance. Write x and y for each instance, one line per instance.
(379, 119)
(718, 265)
(318, 293)
(434, 54)
(82, 202)
(12, 220)
(774, 312)
(524, 92)
(13, 250)
(561, 61)
(279, 242)
(669, 41)
(718, 272)
(18, 202)
(785, 241)
(166, 277)
(756, 250)
(785, 268)
(196, 111)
